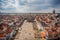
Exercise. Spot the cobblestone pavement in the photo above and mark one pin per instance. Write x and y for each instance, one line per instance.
(26, 32)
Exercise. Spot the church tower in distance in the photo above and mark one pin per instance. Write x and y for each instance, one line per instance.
(54, 11)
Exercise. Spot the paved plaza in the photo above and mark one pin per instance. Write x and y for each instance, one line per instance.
(26, 32)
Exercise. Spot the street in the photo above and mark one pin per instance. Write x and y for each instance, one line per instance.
(26, 32)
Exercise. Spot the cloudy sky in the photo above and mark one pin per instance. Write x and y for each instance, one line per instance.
(28, 6)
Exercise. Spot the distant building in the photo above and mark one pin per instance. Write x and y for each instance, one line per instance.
(54, 11)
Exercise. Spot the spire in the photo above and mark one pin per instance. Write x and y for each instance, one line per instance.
(54, 11)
